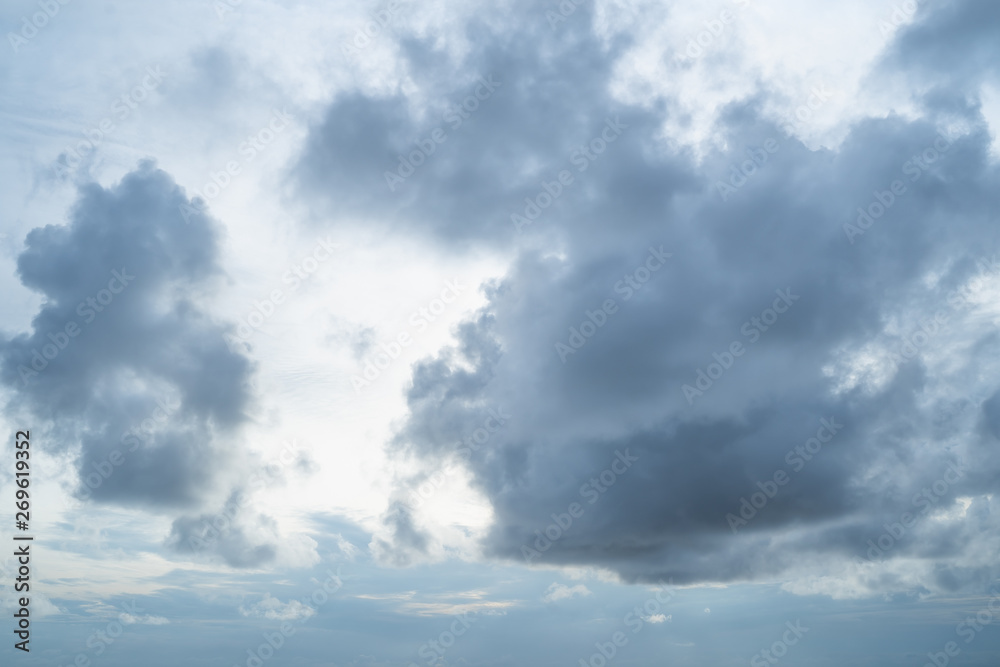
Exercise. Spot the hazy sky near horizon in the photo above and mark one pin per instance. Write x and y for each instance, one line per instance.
(442, 333)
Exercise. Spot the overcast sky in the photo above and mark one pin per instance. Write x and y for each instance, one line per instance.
(525, 333)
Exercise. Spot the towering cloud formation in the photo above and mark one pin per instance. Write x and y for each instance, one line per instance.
(123, 365)
(807, 372)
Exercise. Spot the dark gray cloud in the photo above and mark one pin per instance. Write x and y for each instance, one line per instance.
(856, 292)
(404, 540)
(542, 93)
(235, 535)
(123, 364)
(957, 43)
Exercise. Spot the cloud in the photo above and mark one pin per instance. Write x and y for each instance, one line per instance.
(242, 537)
(239, 537)
(346, 548)
(274, 609)
(444, 604)
(955, 44)
(400, 541)
(817, 235)
(559, 591)
(508, 115)
(121, 340)
(130, 619)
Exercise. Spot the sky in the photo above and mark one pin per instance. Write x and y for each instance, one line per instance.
(527, 333)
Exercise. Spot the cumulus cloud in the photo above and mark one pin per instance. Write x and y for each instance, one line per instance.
(400, 541)
(273, 609)
(240, 536)
(796, 310)
(559, 591)
(121, 339)
(130, 374)
(954, 46)
(131, 619)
